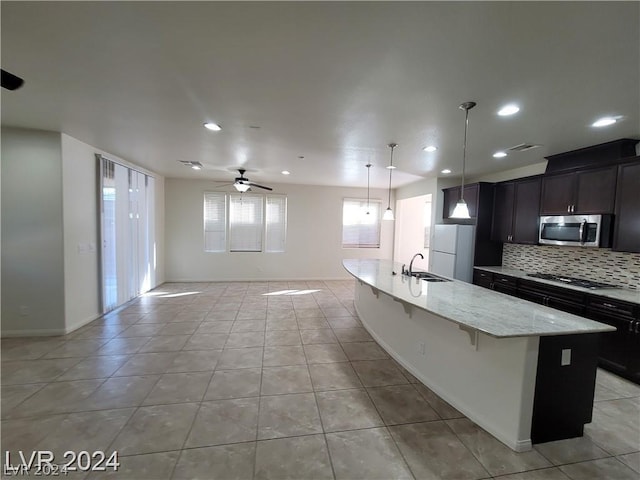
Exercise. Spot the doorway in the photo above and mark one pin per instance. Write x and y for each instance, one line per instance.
(413, 230)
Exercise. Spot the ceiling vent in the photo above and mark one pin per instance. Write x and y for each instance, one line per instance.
(194, 165)
(523, 147)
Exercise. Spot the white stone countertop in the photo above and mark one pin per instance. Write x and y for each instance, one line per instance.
(624, 294)
(471, 306)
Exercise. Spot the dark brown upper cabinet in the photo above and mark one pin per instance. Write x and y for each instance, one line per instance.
(516, 211)
(584, 192)
(626, 232)
(479, 198)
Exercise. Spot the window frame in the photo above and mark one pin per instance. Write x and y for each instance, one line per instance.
(265, 245)
(378, 223)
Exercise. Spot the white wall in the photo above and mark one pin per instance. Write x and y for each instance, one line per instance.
(32, 232)
(314, 236)
(50, 262)
(535, 169)
(79, 198)
(81, 217)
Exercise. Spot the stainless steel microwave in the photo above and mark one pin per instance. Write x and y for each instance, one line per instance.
(576, 230)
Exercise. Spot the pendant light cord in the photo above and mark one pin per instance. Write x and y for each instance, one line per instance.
(392, 145)
(368, 165)
(466, 107)
(464, 151)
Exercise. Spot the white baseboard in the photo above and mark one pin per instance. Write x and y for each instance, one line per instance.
(51, 332)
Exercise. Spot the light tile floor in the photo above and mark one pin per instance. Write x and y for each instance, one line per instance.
(265, 381)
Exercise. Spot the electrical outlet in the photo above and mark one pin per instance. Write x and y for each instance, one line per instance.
(421, 348)
(566, 357)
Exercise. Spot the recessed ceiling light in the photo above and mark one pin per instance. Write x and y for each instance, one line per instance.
(499, 154)
(445, 171)
(430, 148)
(604, 122)
(286, 172)
(391, 167)
(196, 167)
(214, 127)
(508, 110)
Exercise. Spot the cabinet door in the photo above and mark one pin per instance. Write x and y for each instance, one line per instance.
(482, 278)
(614, 346)
(596, 190)
(501, 227)
(557, 194)
(627, 219)
(526, 211)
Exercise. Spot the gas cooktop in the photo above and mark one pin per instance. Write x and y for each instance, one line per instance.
(576, 282)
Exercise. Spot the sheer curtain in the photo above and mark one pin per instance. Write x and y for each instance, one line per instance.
(127, 233)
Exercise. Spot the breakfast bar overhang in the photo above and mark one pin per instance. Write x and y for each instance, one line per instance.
(523, 372)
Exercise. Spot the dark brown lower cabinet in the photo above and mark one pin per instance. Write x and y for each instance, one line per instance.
(559, 298)
(619, 350)
(482, 278)
(505, 284)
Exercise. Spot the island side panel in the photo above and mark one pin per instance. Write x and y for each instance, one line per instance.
(493, 386)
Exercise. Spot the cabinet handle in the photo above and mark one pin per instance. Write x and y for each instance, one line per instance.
(637, 325)
(631, 327)
(568, 208)
(609, 305)
(491, 285)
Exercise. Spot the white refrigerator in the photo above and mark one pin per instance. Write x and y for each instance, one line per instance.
(452, 251)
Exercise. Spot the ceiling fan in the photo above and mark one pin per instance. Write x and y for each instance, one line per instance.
(242, 183)
(10, 81)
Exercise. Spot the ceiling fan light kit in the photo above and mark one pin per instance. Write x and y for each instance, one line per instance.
(242, 183)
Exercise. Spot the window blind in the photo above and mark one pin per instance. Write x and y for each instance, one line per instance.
(276, 223)
(245, 223)
(127, 233)
(215, 209)
(360, 230)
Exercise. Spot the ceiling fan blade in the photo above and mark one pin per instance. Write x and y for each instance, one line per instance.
(259, 186)
(224, 185)
(10, 81)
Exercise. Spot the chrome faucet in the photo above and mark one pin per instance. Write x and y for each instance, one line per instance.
(410, 271)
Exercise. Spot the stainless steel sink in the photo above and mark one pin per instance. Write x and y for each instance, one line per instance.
(429, 277)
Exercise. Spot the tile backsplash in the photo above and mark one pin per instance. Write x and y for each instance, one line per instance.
(597, 264)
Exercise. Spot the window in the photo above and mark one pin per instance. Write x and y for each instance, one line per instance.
(276, 224)
(359, 229)
(215, 222)
(244, 222)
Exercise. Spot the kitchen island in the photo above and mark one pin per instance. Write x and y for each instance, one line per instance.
(523, 372)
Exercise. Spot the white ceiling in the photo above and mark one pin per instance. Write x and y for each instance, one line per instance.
(333, 82)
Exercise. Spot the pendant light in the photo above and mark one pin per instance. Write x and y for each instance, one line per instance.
(368, 165)
(462, 210)
(388, 213)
